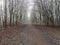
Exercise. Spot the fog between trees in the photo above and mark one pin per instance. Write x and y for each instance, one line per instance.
(42, 12)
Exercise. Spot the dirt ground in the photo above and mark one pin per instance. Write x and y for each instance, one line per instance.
(30, 35)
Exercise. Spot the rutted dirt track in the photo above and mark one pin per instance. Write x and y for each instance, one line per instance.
(30, 35)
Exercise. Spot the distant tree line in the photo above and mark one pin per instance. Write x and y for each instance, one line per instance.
(47, 13)
(12, 13)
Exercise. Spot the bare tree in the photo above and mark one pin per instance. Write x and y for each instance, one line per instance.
(5, 14)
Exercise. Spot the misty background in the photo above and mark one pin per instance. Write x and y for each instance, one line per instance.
(42, 12)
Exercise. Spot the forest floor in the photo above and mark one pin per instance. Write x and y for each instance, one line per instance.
(30, 35)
